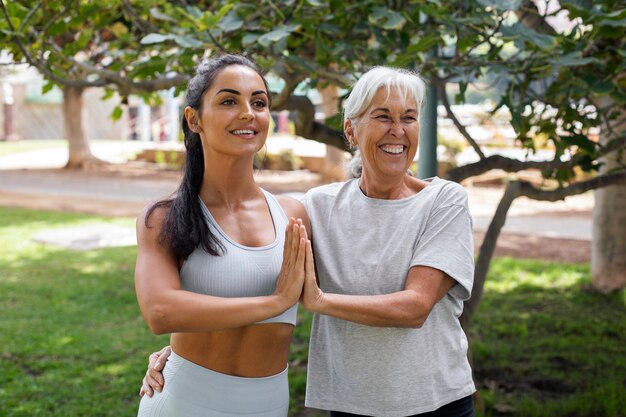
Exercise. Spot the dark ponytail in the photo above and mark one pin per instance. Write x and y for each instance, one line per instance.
(185, 227)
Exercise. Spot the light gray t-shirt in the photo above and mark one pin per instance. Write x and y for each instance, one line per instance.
(366, 246)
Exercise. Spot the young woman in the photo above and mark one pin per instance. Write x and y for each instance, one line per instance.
(220, 266)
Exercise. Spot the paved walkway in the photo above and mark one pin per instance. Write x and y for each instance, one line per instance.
(28, 175)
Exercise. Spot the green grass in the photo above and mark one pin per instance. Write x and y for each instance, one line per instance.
(8, 148)
(73, 342)
(544, 345)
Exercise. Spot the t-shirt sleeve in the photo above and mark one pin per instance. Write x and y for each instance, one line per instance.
(447, 244)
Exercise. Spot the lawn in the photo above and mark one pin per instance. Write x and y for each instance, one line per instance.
(73, 342)
(12, 147)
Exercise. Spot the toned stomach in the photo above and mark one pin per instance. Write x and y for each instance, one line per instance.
(252, 351)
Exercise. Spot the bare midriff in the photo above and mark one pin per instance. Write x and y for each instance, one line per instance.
(252, 351)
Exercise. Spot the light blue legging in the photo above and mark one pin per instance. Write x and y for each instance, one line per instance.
(194, 391)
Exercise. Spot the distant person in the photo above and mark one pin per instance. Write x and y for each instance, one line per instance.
(220, 265)
(394, 259)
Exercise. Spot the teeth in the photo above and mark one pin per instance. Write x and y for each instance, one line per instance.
(394, 149)
(243, 132)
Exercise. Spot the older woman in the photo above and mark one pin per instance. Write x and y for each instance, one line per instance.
(394, 262)
(394, 258)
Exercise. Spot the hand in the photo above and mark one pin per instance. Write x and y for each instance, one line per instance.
(154, 376)
(312, 296)
(291, 279)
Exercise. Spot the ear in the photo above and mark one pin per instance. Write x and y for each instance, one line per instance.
(193, 119)
(348, 132)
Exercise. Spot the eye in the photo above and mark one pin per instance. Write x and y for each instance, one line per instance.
(228, 101)
(261, 104)
(409, 119)
(384, 117)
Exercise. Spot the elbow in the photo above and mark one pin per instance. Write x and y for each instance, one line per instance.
(416, 321)
(157, 320)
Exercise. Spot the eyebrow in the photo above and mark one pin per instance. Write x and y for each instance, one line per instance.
(386, 110)
(229, 90)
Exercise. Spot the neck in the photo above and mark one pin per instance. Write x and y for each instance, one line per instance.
(389, 188)
(228, 180)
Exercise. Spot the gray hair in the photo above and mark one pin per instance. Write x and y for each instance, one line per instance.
(409, 83)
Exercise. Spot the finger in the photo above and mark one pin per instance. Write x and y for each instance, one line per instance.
(309, 264)
(287, 245)
(295, 242)
(303, 233)
(301, 253)
(145, 389)
(155, 379)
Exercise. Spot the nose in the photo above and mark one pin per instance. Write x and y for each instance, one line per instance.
(246, 113)
(396, 129)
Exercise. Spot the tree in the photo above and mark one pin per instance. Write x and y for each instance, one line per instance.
(77, 45)
(549, 81)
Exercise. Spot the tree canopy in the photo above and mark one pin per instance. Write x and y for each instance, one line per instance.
(561, 82)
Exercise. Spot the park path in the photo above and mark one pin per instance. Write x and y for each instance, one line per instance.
(35, 180)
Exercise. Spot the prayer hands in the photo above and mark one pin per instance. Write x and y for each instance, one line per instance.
(312, 296)
(291, 278)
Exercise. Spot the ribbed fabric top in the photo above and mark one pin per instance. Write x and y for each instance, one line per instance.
(242, 271)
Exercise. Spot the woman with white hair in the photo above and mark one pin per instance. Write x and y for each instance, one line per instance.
(394, 260)
(393, 265)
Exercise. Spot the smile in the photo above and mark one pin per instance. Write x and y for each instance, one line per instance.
(244, 132)
(392, 149)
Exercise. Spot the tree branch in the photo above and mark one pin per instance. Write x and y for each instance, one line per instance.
(515, 165)
(457, 123)
(600, 181)
(306, 126)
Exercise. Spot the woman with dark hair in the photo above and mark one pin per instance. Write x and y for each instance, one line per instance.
(220, 265)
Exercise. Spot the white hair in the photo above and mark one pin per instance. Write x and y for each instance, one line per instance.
(408, 83)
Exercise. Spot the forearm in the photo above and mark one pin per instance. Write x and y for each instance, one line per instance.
(400, 309)
(184, 311)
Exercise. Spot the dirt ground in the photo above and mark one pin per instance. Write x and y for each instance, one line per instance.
(509, 244)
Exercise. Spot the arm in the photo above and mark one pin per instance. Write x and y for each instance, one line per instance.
(167, 308)
(410, 307)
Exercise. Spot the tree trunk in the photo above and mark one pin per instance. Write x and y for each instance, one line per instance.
(79, 153)
(334, 163)
(608, 248)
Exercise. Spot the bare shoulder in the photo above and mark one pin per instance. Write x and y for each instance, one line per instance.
(292, 207)
(151, 218)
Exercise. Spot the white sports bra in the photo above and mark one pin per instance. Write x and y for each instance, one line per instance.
(242, 271)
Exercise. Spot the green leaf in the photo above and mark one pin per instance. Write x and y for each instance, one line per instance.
(47, 87)
(249, 39)
(231, 22)
(153, 38)
(501, 5)
(187, 41)
(518, 32)
(119, 29)
(582, 141)
(157, 14)
(602, 88)
(276, 35)
(117, 113)
(57, 28)
(573, 59)
(391, 18)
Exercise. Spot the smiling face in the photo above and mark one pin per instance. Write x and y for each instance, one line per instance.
(387, 135)
(234, 116)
